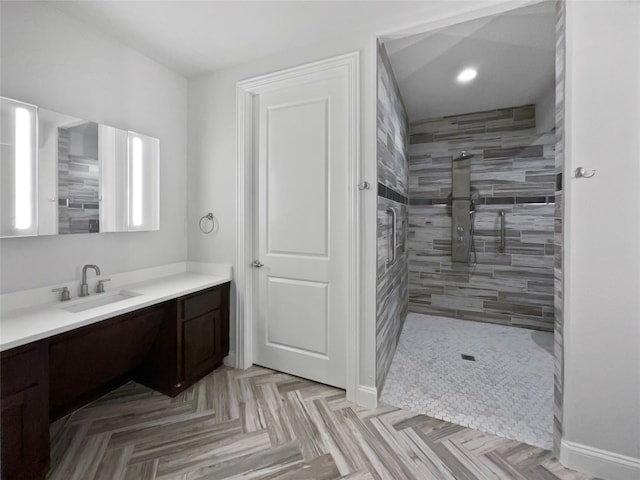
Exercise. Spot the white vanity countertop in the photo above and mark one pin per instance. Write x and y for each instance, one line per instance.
(25, 325)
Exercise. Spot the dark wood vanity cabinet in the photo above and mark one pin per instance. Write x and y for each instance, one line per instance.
(25, 412)
(88, 362)
(167, 347)
(191, 343)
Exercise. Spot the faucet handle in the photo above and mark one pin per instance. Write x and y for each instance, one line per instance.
(64, 293)
(100, 287)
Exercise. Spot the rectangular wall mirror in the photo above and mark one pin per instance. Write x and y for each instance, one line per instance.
(61, 174)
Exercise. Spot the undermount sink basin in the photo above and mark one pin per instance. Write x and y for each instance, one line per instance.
(100, 300)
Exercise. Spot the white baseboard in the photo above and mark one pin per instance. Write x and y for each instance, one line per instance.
(230, 360)
(600, 463)
(367, 396)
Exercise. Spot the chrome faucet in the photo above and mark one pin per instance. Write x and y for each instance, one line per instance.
(84, 288)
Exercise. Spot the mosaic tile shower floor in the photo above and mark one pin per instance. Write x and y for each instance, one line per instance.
(507, 390)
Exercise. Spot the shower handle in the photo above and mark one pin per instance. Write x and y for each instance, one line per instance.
(392, 259)
(503, 242)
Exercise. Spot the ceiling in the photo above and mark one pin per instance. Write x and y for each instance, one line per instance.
(514, 54)
(194, 37)
(514, 51)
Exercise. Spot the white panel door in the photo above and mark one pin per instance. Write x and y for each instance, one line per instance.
(302, 227)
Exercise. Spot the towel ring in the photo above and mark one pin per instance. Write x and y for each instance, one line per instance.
(209, 216)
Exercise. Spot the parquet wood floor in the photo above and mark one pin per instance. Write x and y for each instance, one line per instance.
(261, 424)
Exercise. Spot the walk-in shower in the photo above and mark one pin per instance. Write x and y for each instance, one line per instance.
(474, 169)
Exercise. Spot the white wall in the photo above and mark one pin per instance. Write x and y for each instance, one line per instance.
(60, 64)
(602, 253)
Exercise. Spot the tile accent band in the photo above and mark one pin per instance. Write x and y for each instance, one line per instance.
(542, 199)
(391, 194)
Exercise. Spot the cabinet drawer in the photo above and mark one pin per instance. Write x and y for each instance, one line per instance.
(22, 367)
(201, 303)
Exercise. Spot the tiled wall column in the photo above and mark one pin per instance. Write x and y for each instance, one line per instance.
(392, 300)
(513, 170)
(558, 236)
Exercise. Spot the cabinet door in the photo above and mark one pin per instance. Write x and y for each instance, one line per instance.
(203, 332)
(24, 413)
(20, 428)
(202, 344)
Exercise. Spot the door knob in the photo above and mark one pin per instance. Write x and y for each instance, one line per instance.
(257, 264)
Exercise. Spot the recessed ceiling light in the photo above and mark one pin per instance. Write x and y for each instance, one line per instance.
(466, 75)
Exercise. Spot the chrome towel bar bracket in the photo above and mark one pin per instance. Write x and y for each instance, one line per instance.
(581, 172)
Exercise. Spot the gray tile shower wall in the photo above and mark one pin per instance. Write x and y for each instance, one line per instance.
(511, 159)
(393, 129)
(558, 335)
(513, 170)
(392, 287)
(393, 180)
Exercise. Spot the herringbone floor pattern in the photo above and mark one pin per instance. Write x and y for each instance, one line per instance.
(260, 424)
